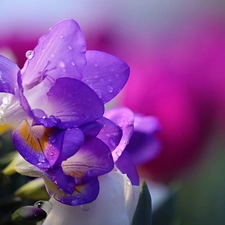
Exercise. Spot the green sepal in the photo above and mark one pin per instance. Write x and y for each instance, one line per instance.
(28, 215)
(143, 212)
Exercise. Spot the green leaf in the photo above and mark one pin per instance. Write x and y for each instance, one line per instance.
(143, 212)
(164, 214)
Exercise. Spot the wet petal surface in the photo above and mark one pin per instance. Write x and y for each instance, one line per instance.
(60, 53)
(36, 144)
(105, 74)
(73, 102)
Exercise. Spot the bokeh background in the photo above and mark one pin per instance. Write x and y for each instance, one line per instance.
(176, 51)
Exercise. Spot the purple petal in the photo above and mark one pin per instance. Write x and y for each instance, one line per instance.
(126, 166)
(144, 145)
(73, 102)
(92, 160)
(92, 128)
(110, 133)
(82, 194)
(73, 140)
(124, 118)
(8, 75)
(105, 74)
(38, 145)
(62, 181)
(60, 53)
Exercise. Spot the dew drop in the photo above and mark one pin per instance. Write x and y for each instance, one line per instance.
(52, 154)
(29, 54)
(62, 64)
(85, 207)
(110, 89)
(52, 139)
(118, 153)
(128, 183)
(69, 47)
(73, 63)
(45, 205)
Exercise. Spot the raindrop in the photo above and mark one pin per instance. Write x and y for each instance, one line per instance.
(128, 183)
(62, 64)
(86, 207)
(110, 89)
(52, 153)
(69, 47)
(45, 205)
(29, 54)
(118, 153)
(52, 139)
(73, 63)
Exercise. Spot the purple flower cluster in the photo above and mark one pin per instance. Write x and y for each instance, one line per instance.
(55, 106)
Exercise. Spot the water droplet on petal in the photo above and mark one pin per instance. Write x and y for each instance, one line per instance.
(110, 89)
(128, 183)
(52, 139)
(69, 47)
(96, 64)
(118, 153)
(62, 64)
(45, 205)
(85, 207)
(29, 54)
(73, 63)
(52, 153)
(61, 36)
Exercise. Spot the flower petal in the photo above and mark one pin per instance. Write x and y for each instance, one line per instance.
(73, 102)
(60, 179)
(110, 133)
(60, 53)
(126, 166)
(124, 118)
(92, 160)
(73, 140)
(144, 145)
(8, 75)
(92, 128)
(38, 145)
(82, 194)
(105, 74)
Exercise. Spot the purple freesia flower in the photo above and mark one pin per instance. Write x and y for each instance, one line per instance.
(55, 105)
(141, 145)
